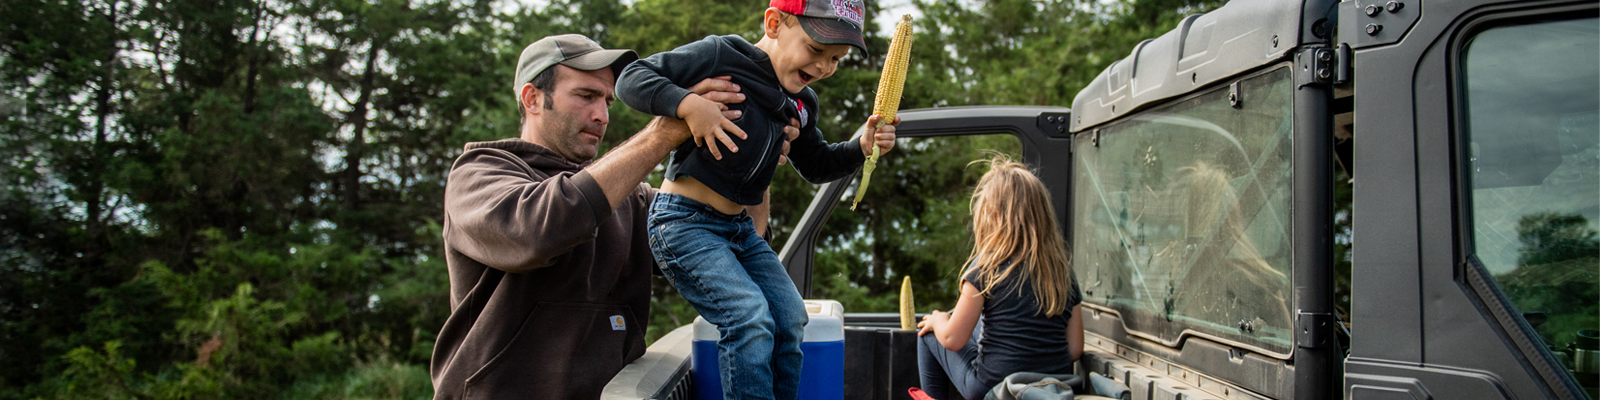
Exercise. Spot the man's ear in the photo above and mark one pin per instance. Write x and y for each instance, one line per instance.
(530, 97)
(770, 21)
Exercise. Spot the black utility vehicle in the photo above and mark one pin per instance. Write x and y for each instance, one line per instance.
(1195, 181)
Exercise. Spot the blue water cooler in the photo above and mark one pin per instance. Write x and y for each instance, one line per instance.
(822, 374)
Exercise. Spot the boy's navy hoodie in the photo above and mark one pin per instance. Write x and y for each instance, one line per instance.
(656, 85)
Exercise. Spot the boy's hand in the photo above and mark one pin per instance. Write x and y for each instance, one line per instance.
(884, 137)
(721, 89)
(708, 125)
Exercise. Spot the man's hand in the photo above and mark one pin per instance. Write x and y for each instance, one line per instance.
(790, 133)
(708, 124)
(884, 137)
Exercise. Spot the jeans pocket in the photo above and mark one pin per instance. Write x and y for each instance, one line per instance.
(665, 215)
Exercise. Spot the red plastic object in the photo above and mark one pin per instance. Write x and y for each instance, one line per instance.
(918, 394)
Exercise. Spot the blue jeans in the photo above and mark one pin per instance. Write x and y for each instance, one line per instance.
(733, 278)
(950, 375)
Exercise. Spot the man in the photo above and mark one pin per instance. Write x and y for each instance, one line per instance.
(548, 255)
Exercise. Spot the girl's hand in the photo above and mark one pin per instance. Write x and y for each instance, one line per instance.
(883, 137)
(935, 318)
(708, 124)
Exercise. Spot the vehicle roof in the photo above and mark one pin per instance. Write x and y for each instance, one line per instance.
(1204, 49)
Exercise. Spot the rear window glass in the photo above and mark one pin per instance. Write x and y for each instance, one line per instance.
(1181, 217)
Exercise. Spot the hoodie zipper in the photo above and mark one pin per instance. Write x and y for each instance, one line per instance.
(766, 150)
(760, 162)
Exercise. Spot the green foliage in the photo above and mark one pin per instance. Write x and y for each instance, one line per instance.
(375, 381)
(95, 375)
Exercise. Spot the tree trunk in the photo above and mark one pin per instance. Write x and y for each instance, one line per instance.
(358, 120)
(93, 207)
(252, 61)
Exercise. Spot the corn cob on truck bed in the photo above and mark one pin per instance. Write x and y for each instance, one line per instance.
(1195, 182)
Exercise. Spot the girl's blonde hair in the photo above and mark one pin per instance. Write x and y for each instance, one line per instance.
(1014, 227)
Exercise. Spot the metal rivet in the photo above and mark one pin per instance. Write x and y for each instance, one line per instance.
(1323, 73)
(1395, 6)
(1372, 10)
(1325, 56)
(1373, 29)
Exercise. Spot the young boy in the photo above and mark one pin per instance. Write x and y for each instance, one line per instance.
(700, 233)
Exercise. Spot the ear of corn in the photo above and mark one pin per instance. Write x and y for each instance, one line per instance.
(908, 311)
(893, 80)
(887, 102)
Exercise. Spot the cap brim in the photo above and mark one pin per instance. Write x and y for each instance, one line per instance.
(833, 31)
(614, 58)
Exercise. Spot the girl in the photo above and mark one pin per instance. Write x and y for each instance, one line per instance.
(1018, 282)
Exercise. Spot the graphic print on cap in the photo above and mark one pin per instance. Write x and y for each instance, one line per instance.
(851, 10)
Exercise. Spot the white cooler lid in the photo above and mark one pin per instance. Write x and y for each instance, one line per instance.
(826, 325)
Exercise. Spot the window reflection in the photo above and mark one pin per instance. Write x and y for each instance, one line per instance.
(1533, 159)
(1182, 217)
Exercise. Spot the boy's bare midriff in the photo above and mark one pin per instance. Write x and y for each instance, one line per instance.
(691, 188)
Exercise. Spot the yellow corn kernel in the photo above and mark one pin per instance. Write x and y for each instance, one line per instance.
(887, 102)
(893, 81)
(908, 313)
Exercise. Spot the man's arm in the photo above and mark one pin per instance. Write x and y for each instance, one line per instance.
(621, 169)
(511, 220)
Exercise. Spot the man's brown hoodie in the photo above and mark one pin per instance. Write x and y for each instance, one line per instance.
(549, 286)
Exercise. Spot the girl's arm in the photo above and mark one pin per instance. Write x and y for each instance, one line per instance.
(1075, 333)
(955, 328)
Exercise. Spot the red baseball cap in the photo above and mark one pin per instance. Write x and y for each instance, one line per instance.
(829, 21)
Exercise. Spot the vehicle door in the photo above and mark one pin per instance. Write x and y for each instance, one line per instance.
(1476, 197)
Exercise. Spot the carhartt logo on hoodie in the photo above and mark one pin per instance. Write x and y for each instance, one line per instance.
(618, 324)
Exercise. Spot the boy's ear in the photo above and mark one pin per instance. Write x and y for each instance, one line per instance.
(770, 21)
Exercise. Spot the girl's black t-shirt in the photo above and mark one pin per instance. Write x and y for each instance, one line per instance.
(1015, 336)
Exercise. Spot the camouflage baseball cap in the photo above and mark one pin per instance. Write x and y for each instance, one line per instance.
(572, 50)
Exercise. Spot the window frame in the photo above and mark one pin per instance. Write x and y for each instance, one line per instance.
(1470, 272)
(1089, 136)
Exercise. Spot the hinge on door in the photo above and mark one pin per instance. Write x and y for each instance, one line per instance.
(1322, 65)
(1313, 329)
